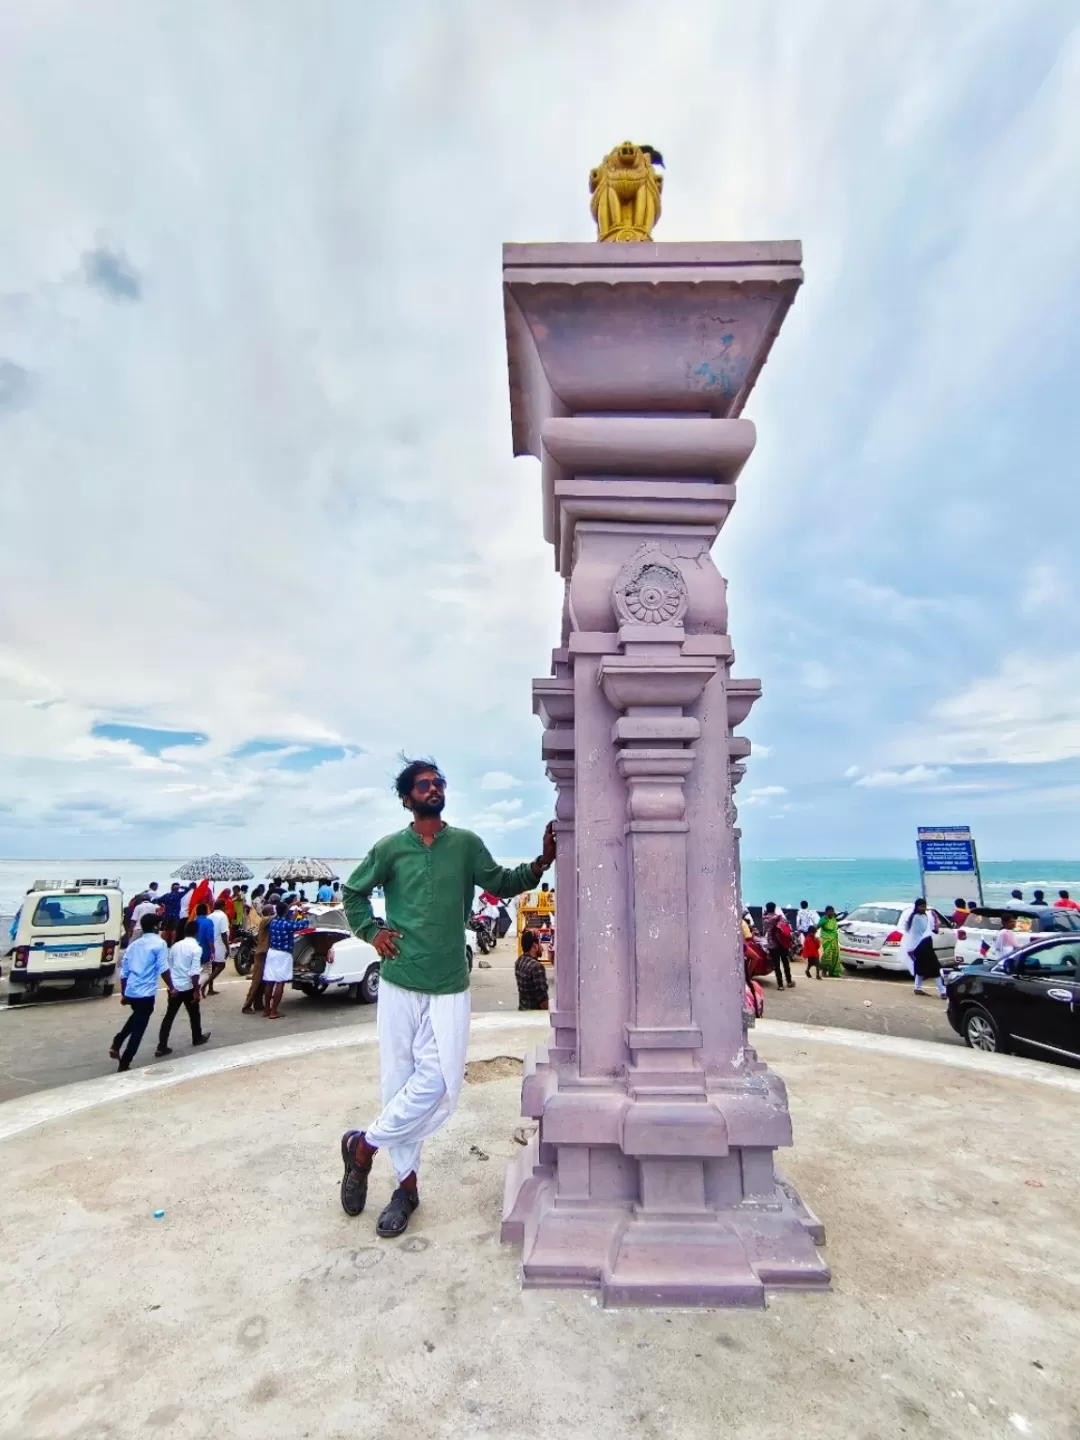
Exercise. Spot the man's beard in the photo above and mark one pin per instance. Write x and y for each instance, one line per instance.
(428, 809)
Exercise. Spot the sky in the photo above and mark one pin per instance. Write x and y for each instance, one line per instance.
(261, 525)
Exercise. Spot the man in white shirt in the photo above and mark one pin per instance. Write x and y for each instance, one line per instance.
(219, 918)
(182, 978)
(149, 906)
(805, 918)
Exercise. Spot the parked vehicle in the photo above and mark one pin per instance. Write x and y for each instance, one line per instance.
(871, 936)
(1031, 999)
(330, 957)
(1033, 922)
(756, 958)
(244, 952)
(67, 936)
(481, 927)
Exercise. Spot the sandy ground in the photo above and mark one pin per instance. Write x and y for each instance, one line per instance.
(60, 1041)
(256, 1308)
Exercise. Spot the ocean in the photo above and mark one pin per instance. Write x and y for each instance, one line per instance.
(843, 883)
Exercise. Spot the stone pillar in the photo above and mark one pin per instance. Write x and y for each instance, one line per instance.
(651, 1177)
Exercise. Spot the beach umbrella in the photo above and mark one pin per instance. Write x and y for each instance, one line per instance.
(300, 872)
(213, 867)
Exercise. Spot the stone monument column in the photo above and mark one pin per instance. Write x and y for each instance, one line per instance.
(651, 1177)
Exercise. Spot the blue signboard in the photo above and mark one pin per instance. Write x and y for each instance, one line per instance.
(947, 850)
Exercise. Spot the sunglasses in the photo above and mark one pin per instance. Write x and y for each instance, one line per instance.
(423, 786)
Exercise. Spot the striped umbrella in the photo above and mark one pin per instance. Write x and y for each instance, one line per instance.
(213, 867)
(300, 872)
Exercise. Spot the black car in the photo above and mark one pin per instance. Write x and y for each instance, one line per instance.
(1032, 999)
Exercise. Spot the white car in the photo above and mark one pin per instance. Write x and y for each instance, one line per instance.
(1033, 922)
(871, 936)
(330, 957)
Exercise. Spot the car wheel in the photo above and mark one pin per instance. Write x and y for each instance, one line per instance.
(981, 1031)
(369, 986)
(307, 989)
(15, 997)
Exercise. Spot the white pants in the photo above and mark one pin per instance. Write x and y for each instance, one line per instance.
(423, 1040)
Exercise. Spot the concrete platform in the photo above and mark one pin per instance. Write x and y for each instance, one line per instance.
(255, 1308)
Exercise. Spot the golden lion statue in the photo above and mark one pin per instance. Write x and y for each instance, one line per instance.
(625, 190)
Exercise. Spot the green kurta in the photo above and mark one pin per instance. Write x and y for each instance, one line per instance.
(429, 894)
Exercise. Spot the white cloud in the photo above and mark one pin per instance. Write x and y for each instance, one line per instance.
(1028, 712)
(892, 602)
(504, 807)
(253, 362)
(816, 676)
(764, 794)
(498, 780)
(914, 775)
(852, 771)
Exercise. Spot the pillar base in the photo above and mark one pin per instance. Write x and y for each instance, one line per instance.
(702, 1222)
(715, 1258)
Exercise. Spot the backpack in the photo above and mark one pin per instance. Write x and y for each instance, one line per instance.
(782, 935)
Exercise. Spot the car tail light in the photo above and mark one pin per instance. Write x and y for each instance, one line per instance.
(893, 938)
(108, 950)
(330, 956)
(22, 955)
(961, 934)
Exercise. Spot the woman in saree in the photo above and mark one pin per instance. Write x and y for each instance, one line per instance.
(829, 933)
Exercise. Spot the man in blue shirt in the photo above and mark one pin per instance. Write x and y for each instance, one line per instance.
(207, 938)
(145, 961)
(325, 894)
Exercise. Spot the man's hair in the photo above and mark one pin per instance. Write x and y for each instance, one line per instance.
(219, 904)
(282, 908)
(202, 910)
(153, 885)
(770, 907)
(408, 777)
(528, 940)
(804, 904)
(191, 930)
(1063, 894)
(1017, 895)
(150, 922)
(960, 901)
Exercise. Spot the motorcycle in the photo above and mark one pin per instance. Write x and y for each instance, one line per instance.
(244, 959)
(481, 927)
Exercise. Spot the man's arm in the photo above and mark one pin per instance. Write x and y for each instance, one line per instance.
(356, 895)
(507, 881)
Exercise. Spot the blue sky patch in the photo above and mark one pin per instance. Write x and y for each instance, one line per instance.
(146, 737)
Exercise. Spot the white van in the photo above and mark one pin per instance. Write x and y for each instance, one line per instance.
(67, 935)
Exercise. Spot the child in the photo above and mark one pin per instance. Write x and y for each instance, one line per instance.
(811, 950)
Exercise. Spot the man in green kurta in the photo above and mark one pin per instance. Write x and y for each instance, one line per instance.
(428, 873)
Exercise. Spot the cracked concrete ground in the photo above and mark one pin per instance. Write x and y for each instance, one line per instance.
(256, 1308)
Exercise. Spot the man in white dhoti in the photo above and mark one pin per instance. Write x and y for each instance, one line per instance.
(428, 873)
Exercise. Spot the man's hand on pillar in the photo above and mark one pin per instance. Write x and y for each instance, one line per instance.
(547, 855)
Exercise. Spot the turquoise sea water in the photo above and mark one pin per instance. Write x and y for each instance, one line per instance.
(847, 883)
(843, 883)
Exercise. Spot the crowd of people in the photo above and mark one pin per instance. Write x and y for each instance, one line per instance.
(815, 940)
(181, 937)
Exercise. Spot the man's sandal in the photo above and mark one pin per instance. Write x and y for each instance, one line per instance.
(394, 1220)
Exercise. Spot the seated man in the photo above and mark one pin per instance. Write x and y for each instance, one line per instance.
(530, 974)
